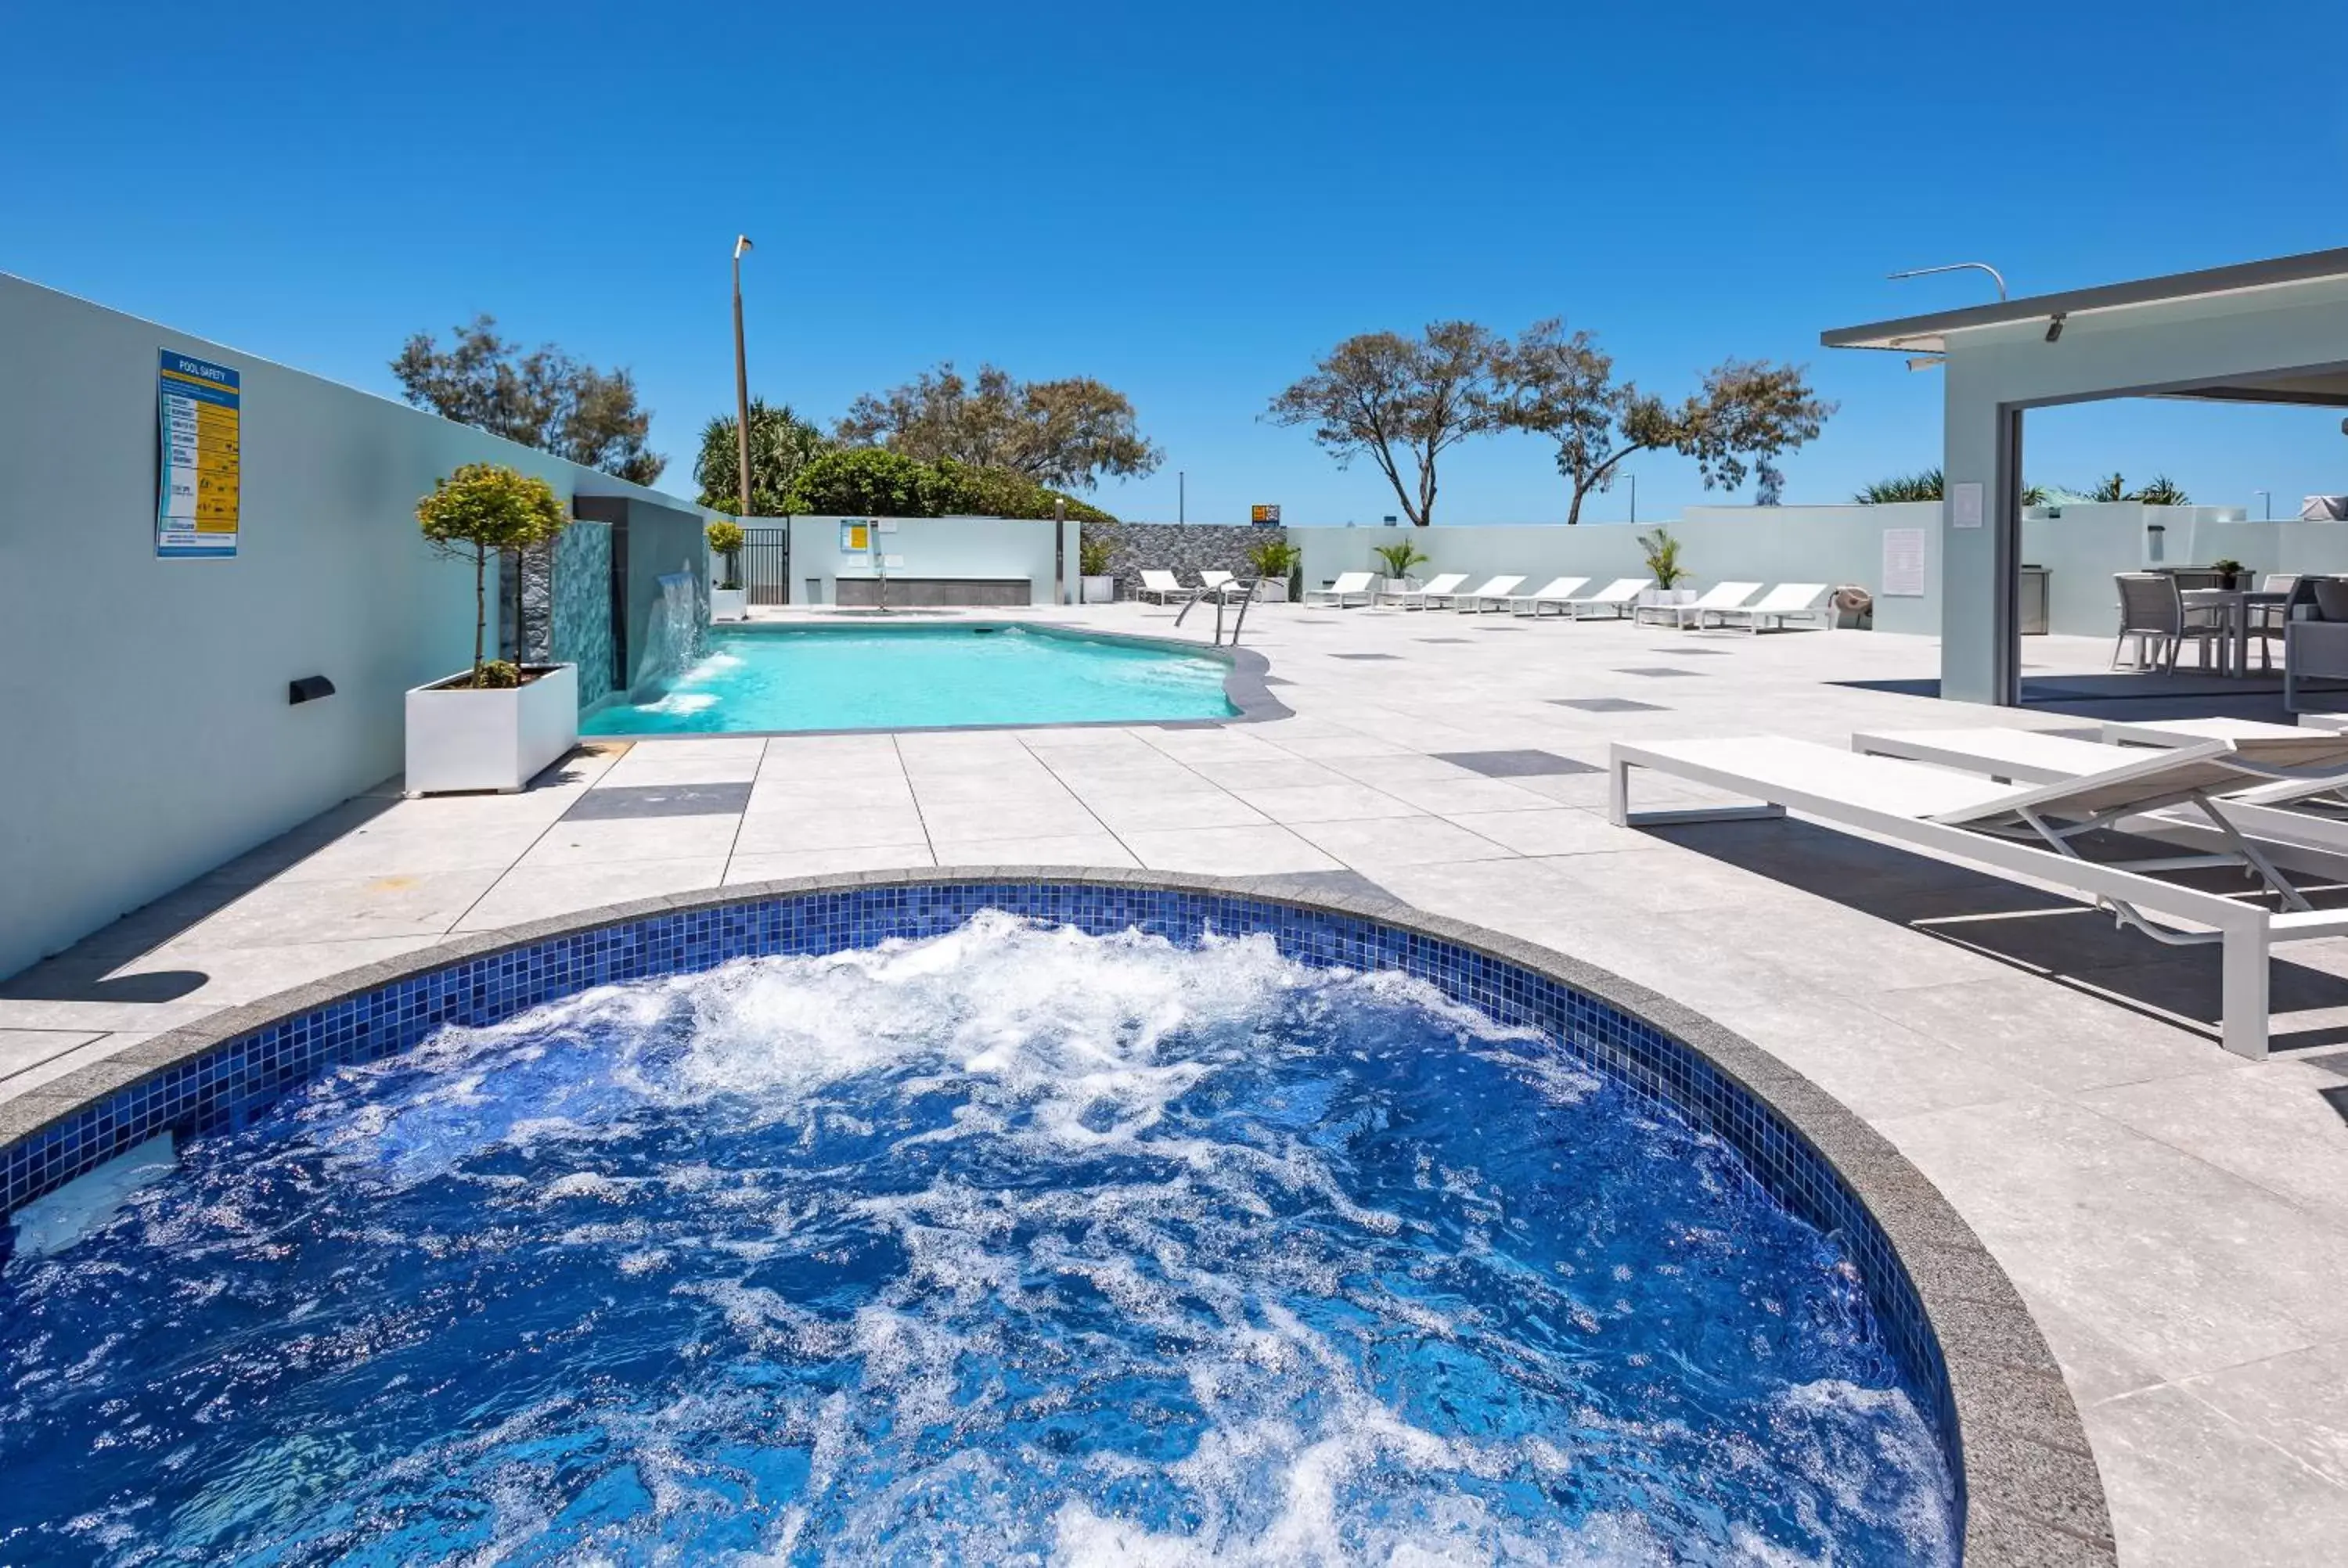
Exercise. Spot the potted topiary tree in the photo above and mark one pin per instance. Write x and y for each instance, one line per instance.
(728, 601)
(1093, 563)
(494, 726)
(1397, 559)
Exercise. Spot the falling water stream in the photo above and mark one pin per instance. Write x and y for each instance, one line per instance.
(671, 634)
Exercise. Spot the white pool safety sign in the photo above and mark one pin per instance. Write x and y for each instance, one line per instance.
(199, 468)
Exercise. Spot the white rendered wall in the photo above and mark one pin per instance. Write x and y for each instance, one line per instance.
(145, 735)
(1833, 545)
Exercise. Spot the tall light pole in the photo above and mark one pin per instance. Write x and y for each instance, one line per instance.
(741, 386)
(1635, 495)
(2268, 495)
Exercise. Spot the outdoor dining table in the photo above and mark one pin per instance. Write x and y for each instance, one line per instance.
(2238, 607)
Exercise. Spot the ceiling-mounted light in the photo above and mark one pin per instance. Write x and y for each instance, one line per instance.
(2054, 328)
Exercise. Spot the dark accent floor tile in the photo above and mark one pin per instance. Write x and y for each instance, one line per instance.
(2337, 1099)
(1694, 652)
(608, 801)
(1441, 639)
(1655, 670)
(1365, 656)
(1514, 764)
(1607, 705)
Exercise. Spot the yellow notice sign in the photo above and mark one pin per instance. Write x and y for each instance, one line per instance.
(200, 458)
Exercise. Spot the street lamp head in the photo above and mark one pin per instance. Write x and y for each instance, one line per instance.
(741, 243)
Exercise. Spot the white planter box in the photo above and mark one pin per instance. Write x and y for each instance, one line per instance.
(729, 603)
(1668, 596)
(1274, 591)
(461, 739)
(1100, 590)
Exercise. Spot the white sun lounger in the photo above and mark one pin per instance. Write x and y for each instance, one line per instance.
(1617, 598)
(2276, 767)
(1494, 592)
(1442, 587)
(1785, 603)
(1719, 597)
(1350, 588)
(1165, 587)
(1446, 597)
(2022, 831)
(1214, 581)
(1557, 592)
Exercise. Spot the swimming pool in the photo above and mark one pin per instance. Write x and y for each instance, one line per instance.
(930, 1214)
(760, 679)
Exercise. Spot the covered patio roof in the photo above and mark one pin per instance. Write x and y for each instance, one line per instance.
(2271, 332)
(1933, 333)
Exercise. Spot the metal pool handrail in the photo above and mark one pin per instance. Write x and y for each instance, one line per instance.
(1223, 597)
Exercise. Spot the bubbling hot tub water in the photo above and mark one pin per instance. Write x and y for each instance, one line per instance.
(1013, 1245)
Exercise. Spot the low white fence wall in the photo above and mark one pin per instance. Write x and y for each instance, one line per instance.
(2081, 547)
(989, 548)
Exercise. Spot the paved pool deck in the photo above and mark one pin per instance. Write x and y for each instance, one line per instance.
(2176, 1218)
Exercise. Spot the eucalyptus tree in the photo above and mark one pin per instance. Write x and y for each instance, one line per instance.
(543, 399)
(1401, 401)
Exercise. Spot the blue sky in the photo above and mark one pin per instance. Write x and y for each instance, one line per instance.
(1188, 201)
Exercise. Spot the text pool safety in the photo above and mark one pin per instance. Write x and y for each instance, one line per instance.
(198, 468)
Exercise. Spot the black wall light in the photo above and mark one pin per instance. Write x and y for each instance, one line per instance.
(2054, 328)
(309, 689)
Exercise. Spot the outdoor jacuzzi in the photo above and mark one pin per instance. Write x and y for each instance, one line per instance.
(1035, 1216)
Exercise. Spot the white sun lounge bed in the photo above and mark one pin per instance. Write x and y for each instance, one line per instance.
(1494, 592)
(2022, 831)
(1442, 587)
(1350, 588)
(1617, 598)
(1165, 587)
(1787, 601)
(2275, 767)
(1214, 581)
(1719, 597)
(1442, 593)
(1556, 591)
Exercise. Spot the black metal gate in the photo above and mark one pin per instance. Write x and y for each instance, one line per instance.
(766, 565)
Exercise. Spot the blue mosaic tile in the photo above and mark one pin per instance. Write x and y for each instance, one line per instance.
(235, 1082)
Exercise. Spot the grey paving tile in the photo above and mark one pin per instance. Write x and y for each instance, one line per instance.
(1607, 705)
(843, 824)
(2298, 1401)
(1377, 848)
(635, 839)
(538, 892)
(1259, 850)
(826, 862)
(2269, 1124)
(1053, 849)
(610, 801)
(1128, 814)
(2190, 1488)
(1521, 763)
(1325, 803)
(24, 1048)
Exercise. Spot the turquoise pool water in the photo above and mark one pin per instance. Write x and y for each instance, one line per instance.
(750, 680)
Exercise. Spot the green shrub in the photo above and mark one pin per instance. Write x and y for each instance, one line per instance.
(1398, 559)
(486, 506)
(1662, 552)
(874, 482)
(1273, 557)
(498, 675)
(1092, 556)
(726, 539)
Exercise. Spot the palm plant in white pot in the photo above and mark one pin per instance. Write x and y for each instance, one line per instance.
(493, 726)
(1660, 551)
(1398, 559)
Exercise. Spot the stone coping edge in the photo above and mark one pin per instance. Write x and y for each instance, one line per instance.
(2033, 1497)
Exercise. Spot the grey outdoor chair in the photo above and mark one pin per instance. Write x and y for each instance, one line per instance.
(2152, 610)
